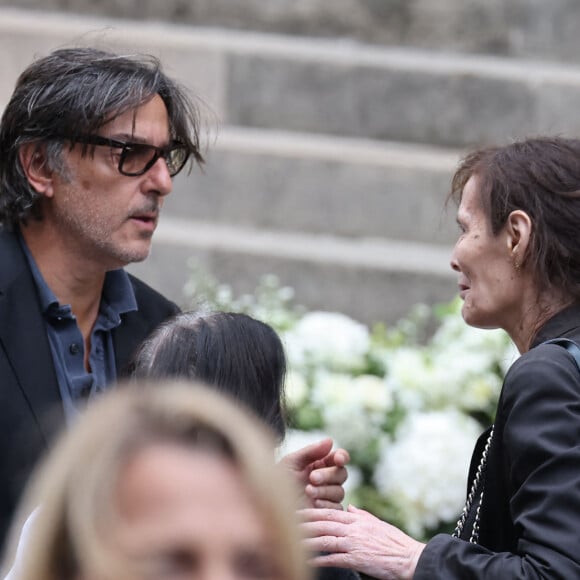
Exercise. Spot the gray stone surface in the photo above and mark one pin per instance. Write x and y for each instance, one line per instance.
(367, 294)
(328, 87)
(259, 183)
(401, 103)
(522, 28)
(197, 65)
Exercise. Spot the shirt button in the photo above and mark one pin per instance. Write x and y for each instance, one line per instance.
(74, 348)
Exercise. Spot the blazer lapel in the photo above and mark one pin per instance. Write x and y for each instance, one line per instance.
(126, 339)
(23, 337)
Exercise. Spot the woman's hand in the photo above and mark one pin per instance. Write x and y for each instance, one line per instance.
(357, 540)
(321, 473)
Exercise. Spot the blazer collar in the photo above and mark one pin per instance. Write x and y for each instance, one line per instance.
(126, 339)
(563, 324)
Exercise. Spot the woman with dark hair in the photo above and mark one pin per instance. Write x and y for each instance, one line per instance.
(233, 352)
(243, 358)
(517, 261)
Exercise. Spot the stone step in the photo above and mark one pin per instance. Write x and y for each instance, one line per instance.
(519, 28)
(328, 87)
(371, 280)
(319, 184)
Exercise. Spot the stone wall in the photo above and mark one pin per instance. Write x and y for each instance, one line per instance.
(545, 29)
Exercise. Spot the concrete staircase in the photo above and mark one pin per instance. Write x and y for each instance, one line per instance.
(516, 28)
(332, 159)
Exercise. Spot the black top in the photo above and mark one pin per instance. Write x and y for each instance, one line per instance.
(530, 515)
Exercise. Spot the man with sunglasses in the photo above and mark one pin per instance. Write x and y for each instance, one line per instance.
(89, 144)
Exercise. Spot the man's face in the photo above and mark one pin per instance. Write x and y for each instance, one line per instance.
(107, 217)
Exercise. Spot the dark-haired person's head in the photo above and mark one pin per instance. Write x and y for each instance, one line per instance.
(233, 352)
(64, 100)
(517, 257)
(539, 176)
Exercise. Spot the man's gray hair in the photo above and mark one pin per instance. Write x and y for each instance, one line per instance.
(73, 92)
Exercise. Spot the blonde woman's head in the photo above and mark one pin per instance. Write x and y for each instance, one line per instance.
(161, 481)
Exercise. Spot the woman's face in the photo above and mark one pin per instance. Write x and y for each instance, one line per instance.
(489, 285)
(187, 514)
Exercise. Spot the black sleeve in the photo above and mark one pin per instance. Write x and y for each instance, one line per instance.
(540, 427)
(332, 573)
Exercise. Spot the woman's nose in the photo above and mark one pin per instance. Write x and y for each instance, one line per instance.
(453, 262)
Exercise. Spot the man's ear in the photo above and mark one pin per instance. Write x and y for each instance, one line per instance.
(34, 163)
(518, 234)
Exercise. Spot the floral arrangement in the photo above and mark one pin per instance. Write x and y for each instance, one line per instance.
(408, 401)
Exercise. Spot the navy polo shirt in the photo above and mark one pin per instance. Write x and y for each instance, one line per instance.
(77, 385)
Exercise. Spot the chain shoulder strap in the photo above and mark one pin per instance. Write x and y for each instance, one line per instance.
(477, 480)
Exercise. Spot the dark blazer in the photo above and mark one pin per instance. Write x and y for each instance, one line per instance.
(530, 514)
(31, 410)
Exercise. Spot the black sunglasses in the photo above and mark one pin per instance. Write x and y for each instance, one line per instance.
(138, 158)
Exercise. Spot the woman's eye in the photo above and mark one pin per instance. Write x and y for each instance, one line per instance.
(172, 566)
(255, 566)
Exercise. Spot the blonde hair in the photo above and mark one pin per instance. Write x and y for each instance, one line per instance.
(75, 487)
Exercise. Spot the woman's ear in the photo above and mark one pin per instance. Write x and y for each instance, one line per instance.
(34, 164)
(518, 234)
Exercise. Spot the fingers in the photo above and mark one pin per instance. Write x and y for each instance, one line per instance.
(329, 536)
(326, 529)
(337, 458)
(325, 504)
(314, 453)
(341, 457)
(328, 544)
(331, 493)
(338, 560)
(328, 476)
(354, 510)
(325, 515)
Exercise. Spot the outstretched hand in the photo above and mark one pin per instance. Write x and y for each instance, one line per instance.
(321, 472)
(357, 540)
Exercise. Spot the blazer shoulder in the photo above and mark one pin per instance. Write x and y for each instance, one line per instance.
(152, 309)
(149, 299)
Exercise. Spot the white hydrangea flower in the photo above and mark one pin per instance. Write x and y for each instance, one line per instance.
(461, 374)
(413, 377)
(331, 389)
(327, 339)
(373, 393)
(480, 391)
(352, 408)
(424, 470)
(491, 345)
(296, 389)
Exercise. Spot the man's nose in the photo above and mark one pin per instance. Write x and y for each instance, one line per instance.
(159, 175)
